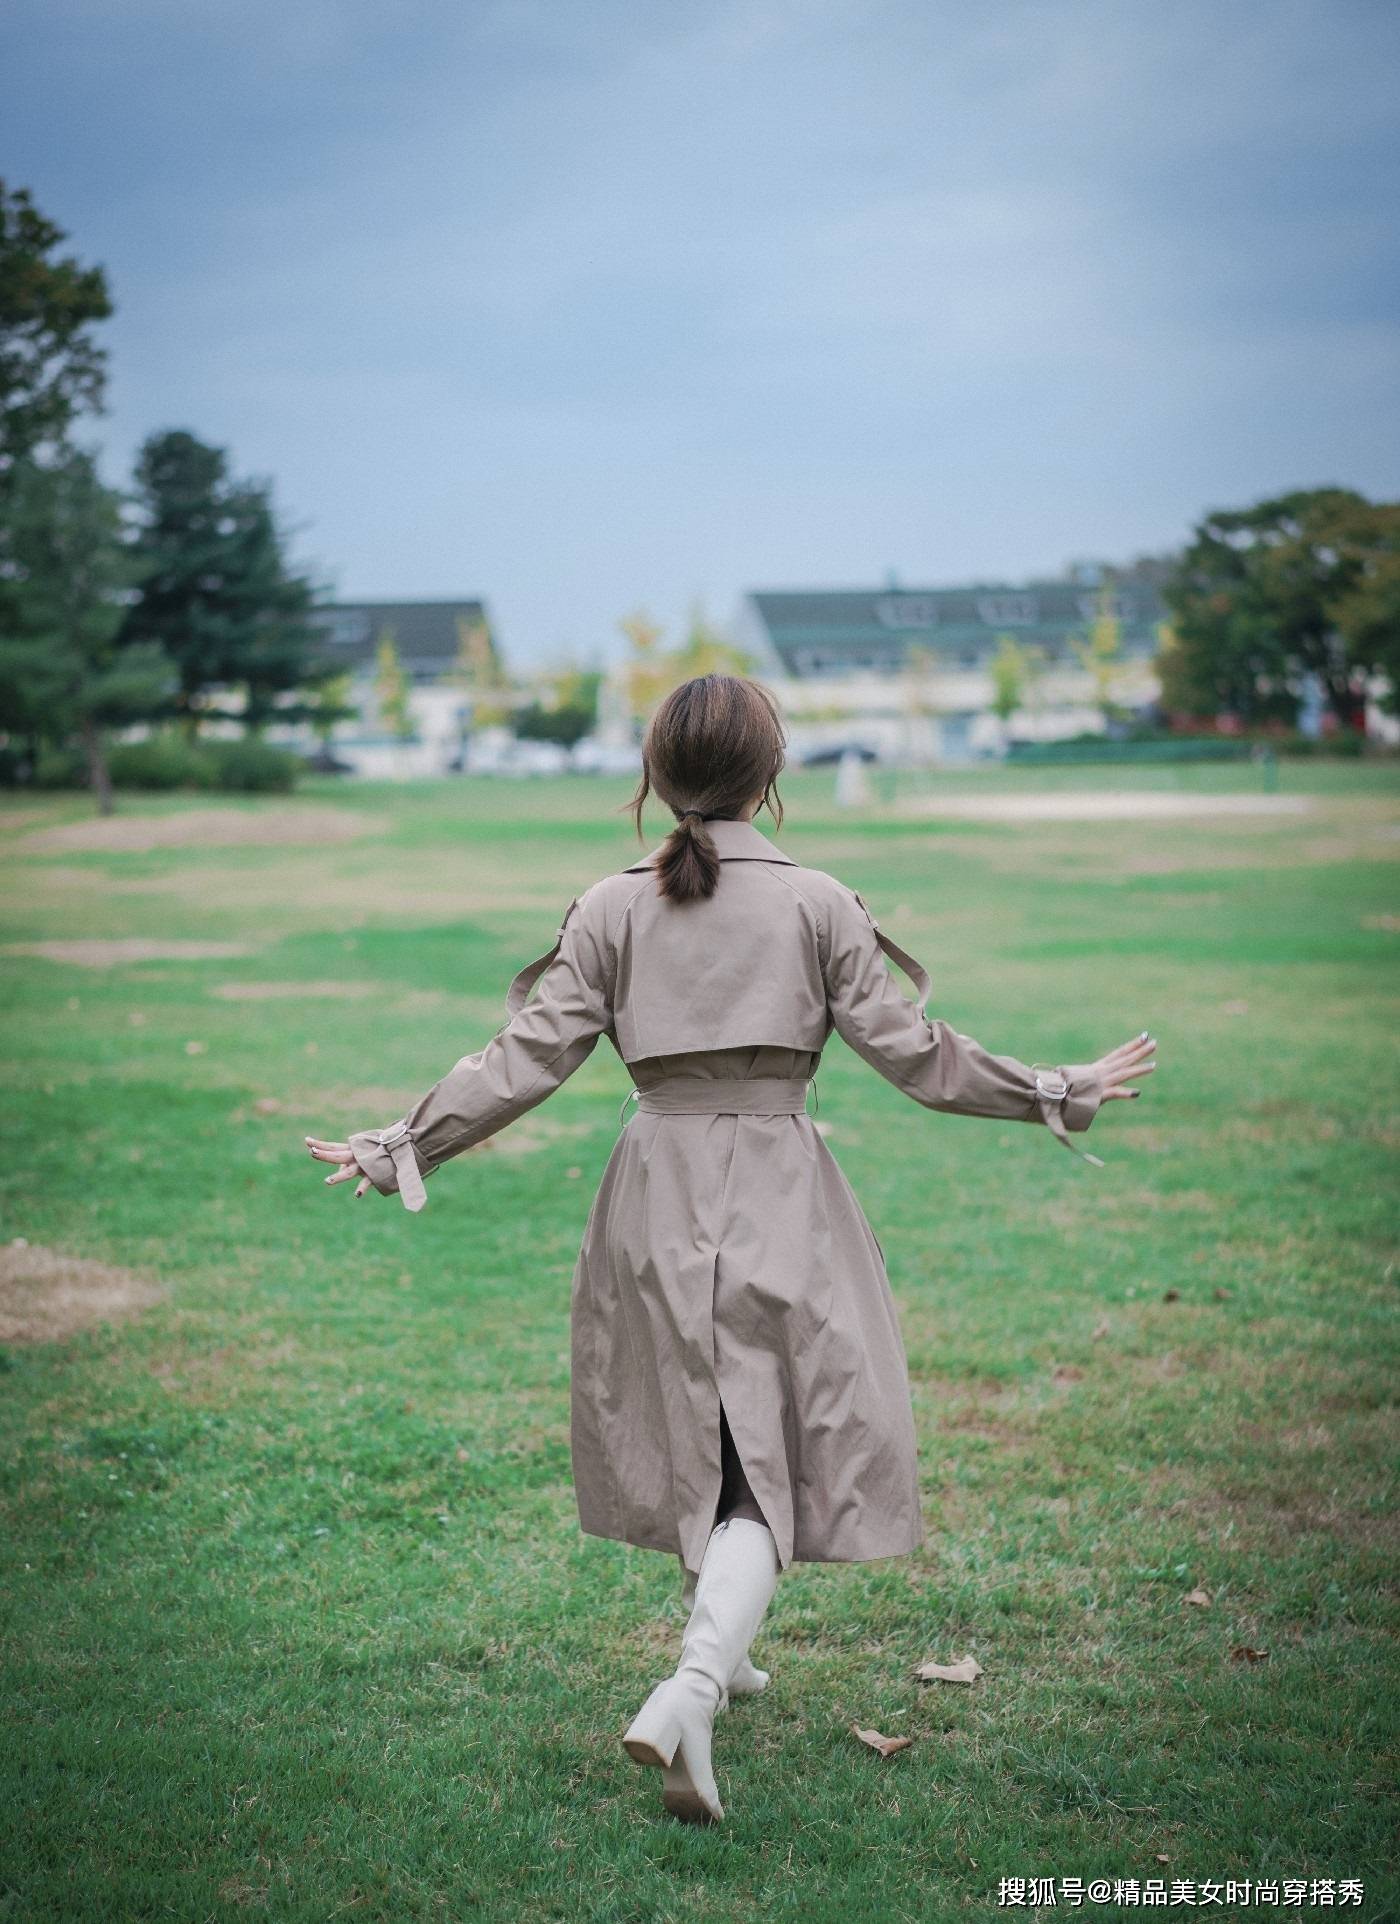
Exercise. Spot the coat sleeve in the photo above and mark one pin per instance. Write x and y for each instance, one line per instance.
(922, 1055)
(542, 1044)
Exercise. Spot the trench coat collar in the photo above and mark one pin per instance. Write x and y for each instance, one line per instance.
(734, 841)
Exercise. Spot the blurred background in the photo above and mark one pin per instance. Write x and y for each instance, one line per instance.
(429, 389)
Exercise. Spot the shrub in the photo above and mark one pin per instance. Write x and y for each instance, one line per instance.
(167, 759)
(60, 768)
(250, 766)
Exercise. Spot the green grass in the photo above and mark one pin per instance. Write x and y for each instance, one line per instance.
(297, 1618)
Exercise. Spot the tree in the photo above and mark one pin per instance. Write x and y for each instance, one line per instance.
(653, 671)
(1100, 655)
(63, 667)
(707, 650)
(645, 677)
(215, 590)
(275, 643)
(332, 703)
(565, 710)
(51, 366)
(1367, 612)
(391, 687)
(1265, 595)
(1013, 669)
(479, 671)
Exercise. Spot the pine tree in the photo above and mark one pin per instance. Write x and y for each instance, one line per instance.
(64, 668)
(215, 589)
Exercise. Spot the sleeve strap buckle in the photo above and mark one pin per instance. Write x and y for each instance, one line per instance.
(1051, 1088)
(399, 1143)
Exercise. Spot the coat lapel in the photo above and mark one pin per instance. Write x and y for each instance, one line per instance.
(734, 840)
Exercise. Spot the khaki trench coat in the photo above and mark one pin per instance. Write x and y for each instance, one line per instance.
(725, 1257)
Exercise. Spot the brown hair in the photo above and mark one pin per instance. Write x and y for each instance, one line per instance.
(713, 744)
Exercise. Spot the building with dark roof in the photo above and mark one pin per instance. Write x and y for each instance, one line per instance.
(427, 634)
(820, 632)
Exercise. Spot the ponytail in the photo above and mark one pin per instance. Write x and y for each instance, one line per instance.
(714, 745)
(688, 866)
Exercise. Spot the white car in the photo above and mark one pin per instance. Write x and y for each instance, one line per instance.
(593, 757)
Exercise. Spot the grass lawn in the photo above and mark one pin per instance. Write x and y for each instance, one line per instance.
(297, 1618)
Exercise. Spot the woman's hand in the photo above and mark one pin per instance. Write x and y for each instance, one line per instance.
(339, 1152)
(1120, 1066)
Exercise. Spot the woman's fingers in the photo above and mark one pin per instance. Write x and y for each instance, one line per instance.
(1139, 1046)
(329, 1151)
(1125, 1064)
(340, 1153)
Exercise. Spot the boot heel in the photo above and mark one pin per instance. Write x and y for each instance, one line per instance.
(655, 1732)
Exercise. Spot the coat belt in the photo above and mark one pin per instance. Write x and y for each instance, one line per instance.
(723, 1096)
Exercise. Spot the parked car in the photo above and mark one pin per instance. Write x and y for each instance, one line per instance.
(593, 757)
(498, 753)
(834, 752)
(325, 762)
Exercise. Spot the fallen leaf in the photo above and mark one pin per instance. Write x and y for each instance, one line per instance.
(886, 1746)
(1245, 1653)
(1100, 1330)
(1162, 1858)
(965, 1670)
(1171, 1295)
(1201, 1597)
(1220, 1295)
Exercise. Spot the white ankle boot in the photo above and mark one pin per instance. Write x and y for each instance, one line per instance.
(673, 1728)
(747, 1679)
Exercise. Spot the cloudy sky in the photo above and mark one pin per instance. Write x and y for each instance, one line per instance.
(586, 305)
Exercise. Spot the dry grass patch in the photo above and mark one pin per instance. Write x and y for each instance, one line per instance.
(303, 889)
(530, 1134)
(1334, 831)
(23, 817)
(1106, 805)
(117, 951)
(46, 1296)
(217, 1376)
(208, 828)
(335, 990)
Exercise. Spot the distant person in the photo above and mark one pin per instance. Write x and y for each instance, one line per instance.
(740, 1394)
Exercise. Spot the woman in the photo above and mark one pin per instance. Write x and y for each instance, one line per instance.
(739, 1392)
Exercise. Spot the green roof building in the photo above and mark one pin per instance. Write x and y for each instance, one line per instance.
(427, 634)
(807, 633)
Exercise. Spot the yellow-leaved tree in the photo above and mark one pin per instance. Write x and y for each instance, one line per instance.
(1101, 654)
(479, 672)
(391, 687)
(1014, 669)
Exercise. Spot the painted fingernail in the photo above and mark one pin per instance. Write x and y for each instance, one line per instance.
(1143, 1036)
